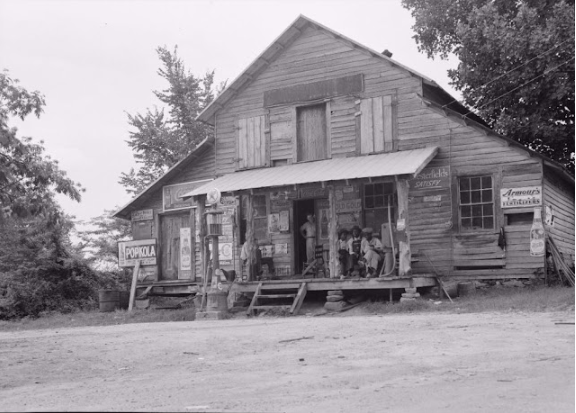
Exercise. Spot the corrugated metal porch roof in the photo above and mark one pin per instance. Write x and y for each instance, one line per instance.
(387, 164)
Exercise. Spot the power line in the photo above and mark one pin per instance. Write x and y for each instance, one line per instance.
(521, 86)
(511, 70)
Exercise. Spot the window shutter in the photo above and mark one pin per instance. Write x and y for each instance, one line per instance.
(377, 124)
(252, 144)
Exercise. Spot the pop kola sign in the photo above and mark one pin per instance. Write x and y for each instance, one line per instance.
(525, 197)
(130, 252)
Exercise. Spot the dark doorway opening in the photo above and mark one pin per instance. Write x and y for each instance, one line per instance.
(301, 209)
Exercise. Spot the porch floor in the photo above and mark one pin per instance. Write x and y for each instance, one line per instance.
(325, 284)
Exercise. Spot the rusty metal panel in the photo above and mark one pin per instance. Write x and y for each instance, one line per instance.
(342, 86)
(388, 164)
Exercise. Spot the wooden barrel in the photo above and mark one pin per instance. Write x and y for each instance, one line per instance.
(217, 301)
(108, 300)
(466, 288)
(124, 299)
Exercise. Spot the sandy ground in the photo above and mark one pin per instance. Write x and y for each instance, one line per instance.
(512, 362)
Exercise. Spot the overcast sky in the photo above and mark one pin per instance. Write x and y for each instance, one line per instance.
(95, 61)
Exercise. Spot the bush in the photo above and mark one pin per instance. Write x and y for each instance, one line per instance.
(63, 287)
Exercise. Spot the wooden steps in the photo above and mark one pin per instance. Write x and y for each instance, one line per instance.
(260, 294)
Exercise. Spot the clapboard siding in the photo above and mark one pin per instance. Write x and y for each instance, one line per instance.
(434, 226)
(313, 56)
(561, 198)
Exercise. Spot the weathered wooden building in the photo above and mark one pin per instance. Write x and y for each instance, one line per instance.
(321, 124)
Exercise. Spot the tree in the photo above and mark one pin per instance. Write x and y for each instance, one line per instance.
(100, 242)
(516, 65)
(28, 179)
(160, 139)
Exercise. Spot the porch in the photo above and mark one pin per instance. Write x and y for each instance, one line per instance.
(328, 284)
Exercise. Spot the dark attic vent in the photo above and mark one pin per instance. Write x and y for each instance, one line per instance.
(387, 53)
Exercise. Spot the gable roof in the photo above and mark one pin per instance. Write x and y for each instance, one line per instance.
(134, 204)
(273, 51)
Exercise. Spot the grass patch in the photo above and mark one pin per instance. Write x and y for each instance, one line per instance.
(529, 299)
(96, 318)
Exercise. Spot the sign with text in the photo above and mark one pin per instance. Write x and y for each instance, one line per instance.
(348, 205)
(431, 178)
(130, 252)
(143, 215)
(525, 197)
(172, 195)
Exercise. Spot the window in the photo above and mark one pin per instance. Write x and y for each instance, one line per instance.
(476, 203)
(312, 140)
(377, 197)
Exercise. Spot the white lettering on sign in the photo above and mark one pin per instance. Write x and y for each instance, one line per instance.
(143, 215)
(130, 252)
(434, 198)
(530, 196)
(348, 205)
(431, 178)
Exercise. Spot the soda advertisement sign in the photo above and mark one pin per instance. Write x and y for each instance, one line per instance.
(130, 252)
(525, 197)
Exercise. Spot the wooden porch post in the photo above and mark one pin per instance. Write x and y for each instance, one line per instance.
(201, 223)
(333, 234)
(249, 236)
(403, 228)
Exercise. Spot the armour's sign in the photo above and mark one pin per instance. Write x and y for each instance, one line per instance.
(525, 197)
(130, 252)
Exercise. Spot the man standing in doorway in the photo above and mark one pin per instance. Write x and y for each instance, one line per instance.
(308, 231)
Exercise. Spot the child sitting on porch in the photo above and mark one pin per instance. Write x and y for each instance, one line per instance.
(343, 253)
(372, 250)
(354, 249)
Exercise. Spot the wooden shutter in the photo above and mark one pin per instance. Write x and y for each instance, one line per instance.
(252, 145)
(377, 124)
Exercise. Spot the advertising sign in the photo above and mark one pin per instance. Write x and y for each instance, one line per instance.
(525, 197)
(431, 178)
(348, 205)
(143, 215)
(185, 249)
(172, 195)
(130, 252)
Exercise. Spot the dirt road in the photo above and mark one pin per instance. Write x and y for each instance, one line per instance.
(513, 362)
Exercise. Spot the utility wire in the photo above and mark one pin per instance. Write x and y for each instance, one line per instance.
(521, 86)
(511, 70)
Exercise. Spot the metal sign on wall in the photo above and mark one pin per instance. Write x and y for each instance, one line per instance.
(172, 195)
(431, 178)
(143, 215)
(525, 197)
(130, 252)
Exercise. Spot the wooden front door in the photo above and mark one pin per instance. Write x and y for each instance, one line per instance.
(312, 142)
(172, 266)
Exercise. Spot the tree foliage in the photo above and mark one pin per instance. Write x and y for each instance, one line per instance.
(162, 137)
(100, 241)
(516, 65)
(28, 178)
(39, 268)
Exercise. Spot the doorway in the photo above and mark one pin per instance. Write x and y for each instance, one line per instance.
(301, 209)
(177, 255)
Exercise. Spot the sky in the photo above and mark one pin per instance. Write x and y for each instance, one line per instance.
(95, 62)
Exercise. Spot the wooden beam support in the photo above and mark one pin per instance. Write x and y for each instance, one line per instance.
(333, 234)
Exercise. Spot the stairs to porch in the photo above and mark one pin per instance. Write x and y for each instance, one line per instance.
(278, 291)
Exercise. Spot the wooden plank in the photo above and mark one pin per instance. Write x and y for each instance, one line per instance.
(366, 127)
(241, 143)
(389, 123)
(133, 286)
(378, 123)
(299, 299)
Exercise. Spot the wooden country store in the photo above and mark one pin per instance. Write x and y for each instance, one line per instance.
(320, 124)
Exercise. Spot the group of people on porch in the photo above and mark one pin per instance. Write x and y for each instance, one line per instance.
(360, 253)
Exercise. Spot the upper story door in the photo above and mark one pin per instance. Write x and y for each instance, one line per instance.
(312, 133)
